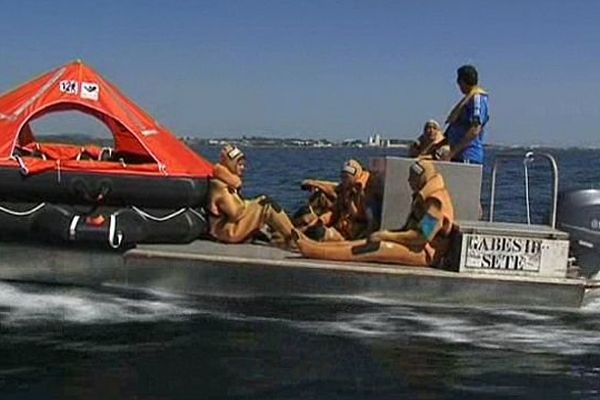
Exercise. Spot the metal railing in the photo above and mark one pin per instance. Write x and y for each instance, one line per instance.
(528, 159)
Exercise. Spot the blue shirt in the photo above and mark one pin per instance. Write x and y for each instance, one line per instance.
(474, 113)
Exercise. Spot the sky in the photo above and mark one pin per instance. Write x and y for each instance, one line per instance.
(322, 69)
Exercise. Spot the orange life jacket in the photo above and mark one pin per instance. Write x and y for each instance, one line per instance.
(224, 227)
(433, 189)
(350, 214)
(425, 147)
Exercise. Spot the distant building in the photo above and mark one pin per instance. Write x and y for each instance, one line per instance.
(394, 143)
(353, 143)
(375, 140)
(322, 143)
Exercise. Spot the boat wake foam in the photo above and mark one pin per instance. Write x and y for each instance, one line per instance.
(560, 333)
(557, 332)
(20, 304)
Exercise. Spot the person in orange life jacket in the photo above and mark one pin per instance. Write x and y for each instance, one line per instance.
(340, 211)
(319, 207)
(423, 241)
(430, 145)
(466, 122)
(233, 219)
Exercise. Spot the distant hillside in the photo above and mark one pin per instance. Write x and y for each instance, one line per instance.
(75, 138)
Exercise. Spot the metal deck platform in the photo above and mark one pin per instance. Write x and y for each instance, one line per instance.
(209, 268)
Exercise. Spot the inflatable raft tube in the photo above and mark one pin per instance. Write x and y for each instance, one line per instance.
(115, 228)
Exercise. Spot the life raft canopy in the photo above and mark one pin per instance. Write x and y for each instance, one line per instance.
(143, 146)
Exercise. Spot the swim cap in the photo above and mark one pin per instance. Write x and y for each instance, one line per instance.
(230, 155)
(352, 168)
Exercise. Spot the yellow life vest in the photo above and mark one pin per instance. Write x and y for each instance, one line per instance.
(459, 107)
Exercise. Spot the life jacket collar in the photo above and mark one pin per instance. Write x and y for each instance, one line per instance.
(459, 107)
(362, 179)
(222, 173)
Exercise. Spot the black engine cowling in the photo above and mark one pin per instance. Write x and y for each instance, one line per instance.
(579, 215)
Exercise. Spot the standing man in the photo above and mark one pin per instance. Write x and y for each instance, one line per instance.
(467, 119)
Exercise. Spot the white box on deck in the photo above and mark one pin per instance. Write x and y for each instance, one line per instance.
(463, 182)
(511, 249)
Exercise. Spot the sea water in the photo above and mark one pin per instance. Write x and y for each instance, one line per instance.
(60, 342)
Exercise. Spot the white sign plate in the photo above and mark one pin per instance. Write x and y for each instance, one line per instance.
(513, 255)
(503, 252)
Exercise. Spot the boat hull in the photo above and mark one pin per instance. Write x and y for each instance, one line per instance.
(213, 269)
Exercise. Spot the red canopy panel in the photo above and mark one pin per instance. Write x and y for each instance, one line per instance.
(76, 86)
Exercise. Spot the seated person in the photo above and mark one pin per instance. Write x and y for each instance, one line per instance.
(423, 241)
(339, 211)
(233, 219)
(431, 144)
(319, 206)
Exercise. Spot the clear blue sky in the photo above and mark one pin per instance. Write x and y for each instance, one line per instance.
(336, 69)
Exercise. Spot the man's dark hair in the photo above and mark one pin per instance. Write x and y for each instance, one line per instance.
(468, 75)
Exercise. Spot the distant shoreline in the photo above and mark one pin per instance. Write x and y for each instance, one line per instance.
(259, 141)
(268, 142)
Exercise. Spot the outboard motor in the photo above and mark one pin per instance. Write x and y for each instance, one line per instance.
(579, 215)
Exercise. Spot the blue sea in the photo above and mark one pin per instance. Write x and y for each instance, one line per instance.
(63, 342)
